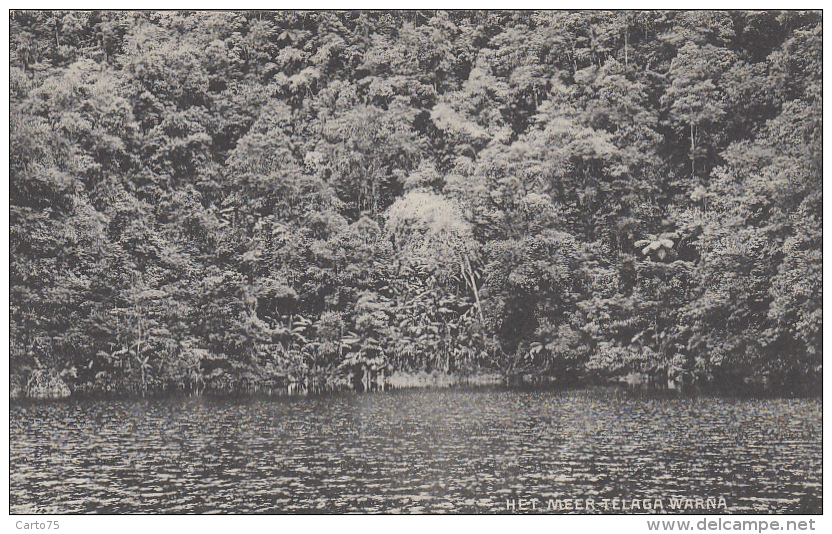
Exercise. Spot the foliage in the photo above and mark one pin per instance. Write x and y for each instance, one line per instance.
(238, 201)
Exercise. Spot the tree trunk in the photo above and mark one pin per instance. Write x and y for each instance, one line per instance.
(627, 42)
(692, 149)
(474, 289)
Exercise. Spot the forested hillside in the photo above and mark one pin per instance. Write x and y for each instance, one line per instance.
(233, 201)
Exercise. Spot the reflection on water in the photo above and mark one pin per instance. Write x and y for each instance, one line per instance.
(459, 450)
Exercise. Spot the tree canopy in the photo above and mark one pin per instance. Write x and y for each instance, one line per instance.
(235, 201)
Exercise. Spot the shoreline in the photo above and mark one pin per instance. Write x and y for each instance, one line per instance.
(401, 381)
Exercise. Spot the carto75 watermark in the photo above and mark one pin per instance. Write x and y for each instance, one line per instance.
(36, 525)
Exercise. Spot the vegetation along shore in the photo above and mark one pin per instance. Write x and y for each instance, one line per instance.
(230, 202)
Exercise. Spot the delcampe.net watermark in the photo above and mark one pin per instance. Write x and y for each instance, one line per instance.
(736, 525)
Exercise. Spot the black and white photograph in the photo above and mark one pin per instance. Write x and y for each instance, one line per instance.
(416, 261)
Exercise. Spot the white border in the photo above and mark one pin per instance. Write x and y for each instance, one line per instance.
(341, 524)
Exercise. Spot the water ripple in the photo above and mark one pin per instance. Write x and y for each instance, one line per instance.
(418, 451)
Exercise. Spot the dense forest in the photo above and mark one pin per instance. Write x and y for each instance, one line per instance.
(225, 202)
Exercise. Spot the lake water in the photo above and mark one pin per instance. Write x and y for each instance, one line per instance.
(453, 450)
